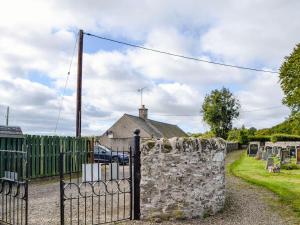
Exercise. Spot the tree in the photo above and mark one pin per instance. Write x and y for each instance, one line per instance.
(243, 136)
(233, 135)
(219, 110)
(252, 131)
(239, 135)
(290, 80)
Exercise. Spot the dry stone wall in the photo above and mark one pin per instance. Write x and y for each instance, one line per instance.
(182, 178)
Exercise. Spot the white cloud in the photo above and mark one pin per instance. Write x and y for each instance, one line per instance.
(254, 31)
(260, 102)
(37, 42)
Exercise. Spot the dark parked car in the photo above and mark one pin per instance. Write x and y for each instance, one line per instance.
(105, 155)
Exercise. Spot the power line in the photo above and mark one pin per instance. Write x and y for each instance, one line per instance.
(200, 114)
(65, 87)
(182, 56)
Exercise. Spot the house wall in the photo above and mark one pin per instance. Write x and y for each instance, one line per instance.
(182, 178)
(116, 143)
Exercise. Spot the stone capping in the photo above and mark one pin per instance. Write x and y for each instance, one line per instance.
(182, 178)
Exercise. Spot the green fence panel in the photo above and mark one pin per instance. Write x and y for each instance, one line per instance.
(37, 144)
(43, 153)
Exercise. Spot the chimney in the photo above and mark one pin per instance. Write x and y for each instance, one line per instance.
(143, 112)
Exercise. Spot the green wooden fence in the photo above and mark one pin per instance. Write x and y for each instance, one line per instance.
(43, 152)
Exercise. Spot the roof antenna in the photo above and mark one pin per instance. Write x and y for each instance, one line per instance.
(7, 115)
(141, 90)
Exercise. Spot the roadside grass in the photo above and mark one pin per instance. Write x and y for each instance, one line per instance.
(285, 184)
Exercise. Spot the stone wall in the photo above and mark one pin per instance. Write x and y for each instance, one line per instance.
(182, 178)
(231, 146)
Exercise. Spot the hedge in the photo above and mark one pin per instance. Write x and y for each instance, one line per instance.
(259, 138)
(284, 137)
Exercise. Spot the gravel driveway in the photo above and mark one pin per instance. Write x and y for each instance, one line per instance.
(245, 205)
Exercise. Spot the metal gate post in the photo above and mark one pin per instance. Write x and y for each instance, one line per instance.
(27, 174)
(136, 175)
(61, 176)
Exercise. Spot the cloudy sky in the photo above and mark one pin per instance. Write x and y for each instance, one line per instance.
(38, 37)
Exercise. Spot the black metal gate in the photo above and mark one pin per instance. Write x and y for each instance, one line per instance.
(96, 187)
(13, 187)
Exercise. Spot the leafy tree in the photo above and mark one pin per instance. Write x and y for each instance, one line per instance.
(239, 135)
(233, 135)
(219, 110)
(290, 79)
(252, 131)
(243, 136)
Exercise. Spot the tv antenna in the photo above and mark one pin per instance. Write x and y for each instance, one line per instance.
(141, 90)
(7, 115)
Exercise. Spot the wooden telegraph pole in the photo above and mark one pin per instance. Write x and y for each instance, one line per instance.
(79, 84)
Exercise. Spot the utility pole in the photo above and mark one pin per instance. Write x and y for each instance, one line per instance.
(79, 84)
(141, 90)
(7, 115)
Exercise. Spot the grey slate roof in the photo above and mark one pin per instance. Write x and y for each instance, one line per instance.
(11, 132)
(158, 129)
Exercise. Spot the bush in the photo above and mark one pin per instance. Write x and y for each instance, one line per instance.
(260, 138)
(284, 137)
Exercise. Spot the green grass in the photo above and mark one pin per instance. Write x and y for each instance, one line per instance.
(285, 184)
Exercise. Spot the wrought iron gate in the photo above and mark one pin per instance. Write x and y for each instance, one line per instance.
(96, 187)
(13, 187)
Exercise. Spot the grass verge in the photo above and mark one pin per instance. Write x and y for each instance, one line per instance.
(285, 184)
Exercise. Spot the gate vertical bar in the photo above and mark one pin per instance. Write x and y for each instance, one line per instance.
(131, 183)
(28, 169)
(136, 175)
(61, 175)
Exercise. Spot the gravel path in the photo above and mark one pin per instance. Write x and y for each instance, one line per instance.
(245, 205)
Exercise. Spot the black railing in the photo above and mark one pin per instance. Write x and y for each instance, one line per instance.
(98, 188)
(13, 187)
(137, 175)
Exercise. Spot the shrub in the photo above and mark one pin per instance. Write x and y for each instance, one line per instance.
(284, 137)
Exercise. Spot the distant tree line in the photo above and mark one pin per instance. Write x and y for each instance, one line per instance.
(221, 107)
